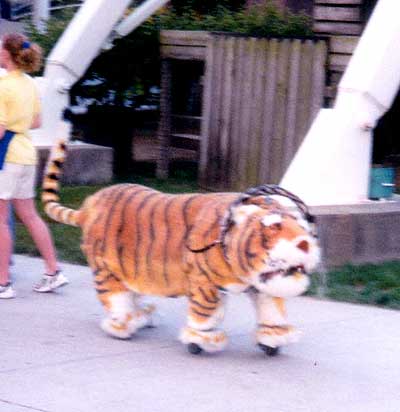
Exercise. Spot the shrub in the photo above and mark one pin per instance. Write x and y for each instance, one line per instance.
(133, 64)
(259, 20)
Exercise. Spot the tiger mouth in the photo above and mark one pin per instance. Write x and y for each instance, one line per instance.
(292, 271)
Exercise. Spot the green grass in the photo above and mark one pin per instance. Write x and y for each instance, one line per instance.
(67, 238)
(377, 285)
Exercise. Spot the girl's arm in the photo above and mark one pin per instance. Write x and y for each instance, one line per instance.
(3, 111)
(37, 121)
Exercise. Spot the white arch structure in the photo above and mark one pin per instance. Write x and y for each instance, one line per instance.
(332, 165)
(93, 27)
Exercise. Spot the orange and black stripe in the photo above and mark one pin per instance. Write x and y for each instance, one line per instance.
(51, 188)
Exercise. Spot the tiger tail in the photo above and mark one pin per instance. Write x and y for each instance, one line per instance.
(51, 188)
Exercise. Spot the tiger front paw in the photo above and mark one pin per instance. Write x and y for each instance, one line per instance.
(276, 336)
(210, 341)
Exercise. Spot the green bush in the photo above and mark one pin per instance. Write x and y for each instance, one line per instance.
(132, 65)
(260, 20)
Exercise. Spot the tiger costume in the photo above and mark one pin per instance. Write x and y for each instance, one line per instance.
(139, 241)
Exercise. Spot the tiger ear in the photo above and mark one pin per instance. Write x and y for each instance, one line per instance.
(242, 212)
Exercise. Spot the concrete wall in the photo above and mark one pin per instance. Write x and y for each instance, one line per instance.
(85, 164)
(10, 27)
(367, 233)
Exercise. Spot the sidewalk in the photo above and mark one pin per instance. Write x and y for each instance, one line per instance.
(55, 358)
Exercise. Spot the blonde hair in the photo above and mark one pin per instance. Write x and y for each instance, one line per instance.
(26, 56)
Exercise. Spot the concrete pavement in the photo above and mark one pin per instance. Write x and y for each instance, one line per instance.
(55, 358)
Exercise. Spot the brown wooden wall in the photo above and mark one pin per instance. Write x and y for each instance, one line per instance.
(260, 97)
(343, 22)
(342, 17)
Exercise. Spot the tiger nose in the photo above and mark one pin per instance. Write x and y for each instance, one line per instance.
(304, 246)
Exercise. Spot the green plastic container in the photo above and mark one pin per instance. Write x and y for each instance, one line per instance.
(381, 182)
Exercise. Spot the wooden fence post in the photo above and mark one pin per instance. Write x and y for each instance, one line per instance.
(164, 129)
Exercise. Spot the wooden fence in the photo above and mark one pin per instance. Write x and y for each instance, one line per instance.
(260, 97)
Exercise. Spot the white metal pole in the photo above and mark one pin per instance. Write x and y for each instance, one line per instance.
(143, 12)
(41, 14)
(77, 47)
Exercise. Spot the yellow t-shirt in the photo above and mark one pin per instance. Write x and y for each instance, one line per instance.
(19, 103)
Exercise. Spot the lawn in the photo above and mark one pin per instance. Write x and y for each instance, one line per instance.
(367, 284)
(67, 238)
(377, 285)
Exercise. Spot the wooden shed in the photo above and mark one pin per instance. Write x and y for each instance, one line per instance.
(258, 96)
(256, 107)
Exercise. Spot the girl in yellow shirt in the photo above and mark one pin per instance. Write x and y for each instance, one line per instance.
(19, 112)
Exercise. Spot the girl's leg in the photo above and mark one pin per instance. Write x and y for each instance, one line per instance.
(11, 223)
(6, 242)
(26, 211)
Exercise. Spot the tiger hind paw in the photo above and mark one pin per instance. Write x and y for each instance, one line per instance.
(124, 328)
(119, 328)
(276, 336)
(209, 341)
(144, 317)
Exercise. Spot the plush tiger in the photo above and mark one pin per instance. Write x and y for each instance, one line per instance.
(139, 241)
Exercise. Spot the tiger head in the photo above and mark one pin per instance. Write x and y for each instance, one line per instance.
(273, 247)
(268, 244)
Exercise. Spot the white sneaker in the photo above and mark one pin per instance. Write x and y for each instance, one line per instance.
(48, 283)
(7, 292)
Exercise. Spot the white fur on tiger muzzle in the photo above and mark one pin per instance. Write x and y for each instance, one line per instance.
(286, 271)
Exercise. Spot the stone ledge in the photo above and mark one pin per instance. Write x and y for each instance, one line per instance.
(85, 164)
(369, 234)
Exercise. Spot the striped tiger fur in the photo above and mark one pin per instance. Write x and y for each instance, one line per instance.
(139, 241)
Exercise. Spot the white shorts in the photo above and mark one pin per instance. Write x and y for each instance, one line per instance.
(17, 181)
